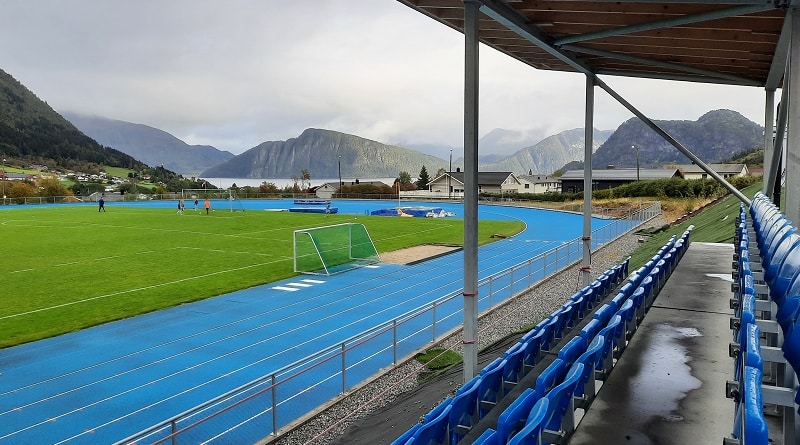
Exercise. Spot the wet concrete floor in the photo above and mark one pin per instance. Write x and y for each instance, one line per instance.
(669, 385)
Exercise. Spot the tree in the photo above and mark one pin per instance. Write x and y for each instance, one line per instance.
(268, 187)
(405, 181)
(53, 187)
(305, 175)
(424, 179)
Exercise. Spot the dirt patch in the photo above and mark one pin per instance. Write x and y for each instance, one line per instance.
(416, 254)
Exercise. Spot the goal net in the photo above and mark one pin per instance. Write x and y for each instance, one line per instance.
(220, 199)
(332, 249)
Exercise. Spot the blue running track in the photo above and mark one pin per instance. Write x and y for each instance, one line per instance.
(103, 384)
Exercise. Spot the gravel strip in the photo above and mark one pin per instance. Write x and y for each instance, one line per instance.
(512, 316)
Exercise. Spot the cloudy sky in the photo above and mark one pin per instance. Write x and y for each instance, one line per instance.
(235, 73)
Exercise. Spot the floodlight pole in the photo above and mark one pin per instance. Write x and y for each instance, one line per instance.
(449, 174)
(340, 176)
(637, 160)
(4, 181)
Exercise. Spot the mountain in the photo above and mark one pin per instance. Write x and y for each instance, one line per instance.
(30, 130)
(546, 156)
(151, 145)
(715, 137)
(509, 142)
(321, 152)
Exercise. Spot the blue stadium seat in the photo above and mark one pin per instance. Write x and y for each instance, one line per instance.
(437, 410)
(561, 403)
(628, 315)
(489, 437)
(590, 329)
(407, 436)
(464, 411)
(789, 269)
(572, 350)
(777, 256)
(791, 340)
(613, 336)
(618, 299)
(750, 425)
(550, 377)
(512, 369)
(531, 433)
(435, 430)
(570, 312)
(604, 313)
(533, 350)
(513, 418)
(490, 389)
(592, 360)
(627, 289)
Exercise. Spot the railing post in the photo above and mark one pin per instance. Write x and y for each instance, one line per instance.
(174, 429)
(274, 406)
(511, 283)
(491, 292)
(344, 370)
(433, 335)
(394, 341)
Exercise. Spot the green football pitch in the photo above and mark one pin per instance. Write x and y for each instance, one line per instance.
(66, 268)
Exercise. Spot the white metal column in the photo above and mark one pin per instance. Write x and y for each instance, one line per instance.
(586, 262)
(471, 11)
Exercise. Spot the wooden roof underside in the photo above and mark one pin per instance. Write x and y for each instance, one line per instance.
(725, 42)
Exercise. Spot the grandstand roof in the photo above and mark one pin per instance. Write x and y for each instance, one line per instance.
(739, 42)
(623, 174)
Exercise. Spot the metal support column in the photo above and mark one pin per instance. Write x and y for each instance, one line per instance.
(586, 262)
(769, 131)
(792, 209)
(772, 171)
(471, 11)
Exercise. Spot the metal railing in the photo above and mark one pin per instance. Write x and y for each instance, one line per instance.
(261, 407)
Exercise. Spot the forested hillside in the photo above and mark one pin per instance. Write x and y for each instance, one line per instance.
(31, 131)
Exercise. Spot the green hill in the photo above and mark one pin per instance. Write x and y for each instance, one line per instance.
(31, 131)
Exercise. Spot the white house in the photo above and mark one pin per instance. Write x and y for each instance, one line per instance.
(488, 182)
(693, 171)
(539, 184)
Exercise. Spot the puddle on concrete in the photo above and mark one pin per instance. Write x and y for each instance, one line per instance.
(664, 377)
(721, 276)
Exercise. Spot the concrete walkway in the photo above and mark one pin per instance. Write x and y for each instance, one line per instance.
(669, 385)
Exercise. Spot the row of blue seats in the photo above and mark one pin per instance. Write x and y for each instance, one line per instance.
(766, 272)
(449, 421)
(546, 412)
(567, 382)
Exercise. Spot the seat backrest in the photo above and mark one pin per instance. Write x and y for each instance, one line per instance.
(550, 377)
(513, 418)
(591, 359)
(561, 397)
(434, 431)
(790, 268)
(531, 433)
(604, 313)
(772, 267)
(572, 350)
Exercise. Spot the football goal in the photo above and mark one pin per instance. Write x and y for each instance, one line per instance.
(221, 199)
(332, 249)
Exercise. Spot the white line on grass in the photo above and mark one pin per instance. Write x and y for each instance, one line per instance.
(153, 286)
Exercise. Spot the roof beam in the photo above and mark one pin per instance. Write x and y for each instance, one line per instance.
(668, 23)
(511, 18)
(661, 64)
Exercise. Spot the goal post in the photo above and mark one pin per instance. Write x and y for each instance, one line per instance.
(332, 249)
(226, 196)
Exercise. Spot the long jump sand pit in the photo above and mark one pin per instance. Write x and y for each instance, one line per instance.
(416, 254)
